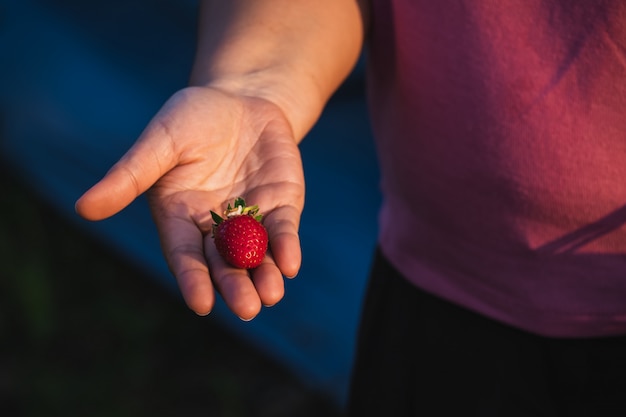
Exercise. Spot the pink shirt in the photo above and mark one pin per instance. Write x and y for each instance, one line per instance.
(501, 127)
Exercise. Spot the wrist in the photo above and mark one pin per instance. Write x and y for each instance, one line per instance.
(299, 98)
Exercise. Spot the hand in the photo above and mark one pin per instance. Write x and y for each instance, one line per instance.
(204, 148)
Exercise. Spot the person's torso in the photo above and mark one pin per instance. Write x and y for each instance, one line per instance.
(501, 128)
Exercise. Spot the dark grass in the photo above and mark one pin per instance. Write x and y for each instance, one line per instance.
(83, 333)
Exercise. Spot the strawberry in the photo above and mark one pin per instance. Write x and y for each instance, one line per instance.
(240, 238)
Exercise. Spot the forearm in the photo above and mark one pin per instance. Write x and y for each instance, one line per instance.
(294, 53)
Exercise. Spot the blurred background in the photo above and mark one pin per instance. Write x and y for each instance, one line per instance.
(91, 320)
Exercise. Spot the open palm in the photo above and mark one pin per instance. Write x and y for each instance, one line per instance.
(203, 149)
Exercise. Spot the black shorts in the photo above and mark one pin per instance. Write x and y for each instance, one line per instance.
(418, 355)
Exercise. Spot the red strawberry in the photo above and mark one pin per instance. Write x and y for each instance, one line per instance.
(241, 239)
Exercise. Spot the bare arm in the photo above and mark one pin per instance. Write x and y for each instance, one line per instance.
(292, 53)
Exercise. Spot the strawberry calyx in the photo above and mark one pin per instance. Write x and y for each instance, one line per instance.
(239, 208)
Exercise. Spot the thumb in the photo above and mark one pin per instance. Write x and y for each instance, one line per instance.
(144, 163)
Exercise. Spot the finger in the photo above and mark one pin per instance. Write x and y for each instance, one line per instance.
(268, 281)
(182, 244)
(282, 226)
(144, 163)
(233, 284)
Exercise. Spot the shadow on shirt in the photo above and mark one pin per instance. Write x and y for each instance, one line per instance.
(575, 240)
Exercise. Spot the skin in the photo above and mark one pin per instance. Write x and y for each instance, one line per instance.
(263, 72)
